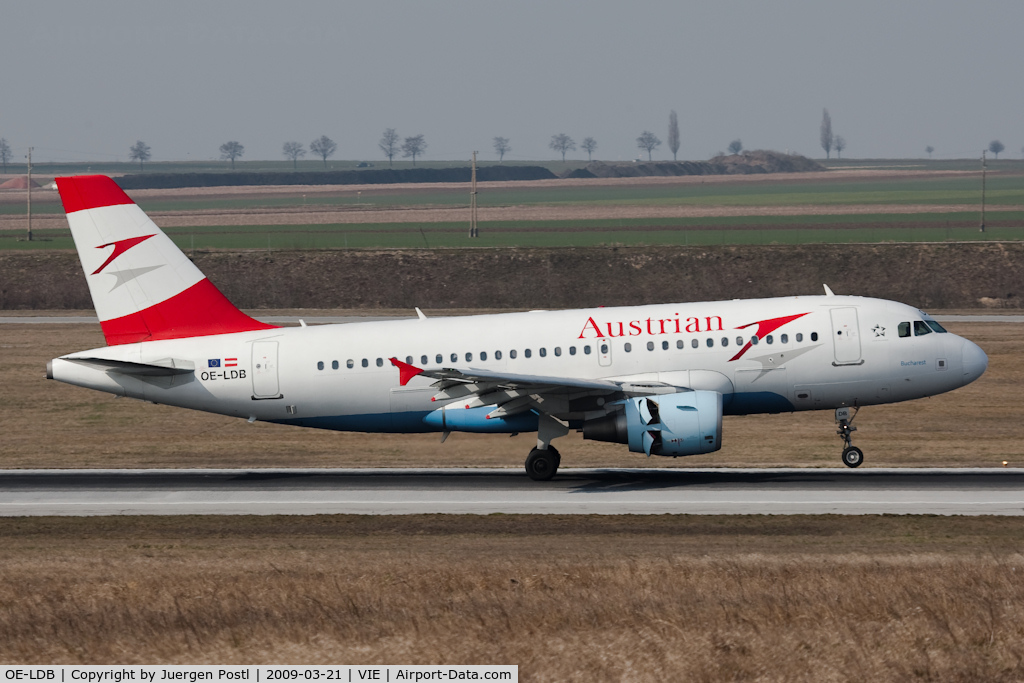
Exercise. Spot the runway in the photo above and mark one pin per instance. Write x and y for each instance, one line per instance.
(334, 319)
(487, 491)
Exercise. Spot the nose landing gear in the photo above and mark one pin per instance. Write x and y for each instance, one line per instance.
(852, 456)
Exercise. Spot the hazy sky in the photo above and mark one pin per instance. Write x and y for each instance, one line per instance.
(84, 80)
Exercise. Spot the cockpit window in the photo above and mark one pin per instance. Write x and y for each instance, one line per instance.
(904, 329)
(935, 326)
(921, 329)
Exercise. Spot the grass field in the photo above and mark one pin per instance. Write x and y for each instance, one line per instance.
(47, 424)
(937, 190)
(821, 208)
(650, 598)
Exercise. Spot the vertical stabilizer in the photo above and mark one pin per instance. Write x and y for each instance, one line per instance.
(142, 285)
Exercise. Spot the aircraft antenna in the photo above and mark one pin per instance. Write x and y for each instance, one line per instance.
(982, 228)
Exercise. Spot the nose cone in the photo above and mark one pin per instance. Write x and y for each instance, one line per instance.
(975, 361)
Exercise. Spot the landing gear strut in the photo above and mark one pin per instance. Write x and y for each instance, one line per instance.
(852, 456)
(541, 465)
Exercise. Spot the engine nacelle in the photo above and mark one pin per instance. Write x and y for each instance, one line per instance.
(687, 423)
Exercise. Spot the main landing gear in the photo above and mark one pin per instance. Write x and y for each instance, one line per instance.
(542, 465)
(543, 461)
(852, 456)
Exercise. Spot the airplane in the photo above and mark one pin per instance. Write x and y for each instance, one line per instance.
(657, 378)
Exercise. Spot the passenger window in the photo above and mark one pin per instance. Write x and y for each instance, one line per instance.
(664, 346)
(380, 362)
(935, 326)
(814, 336)
(483, 355)
(754, 340)
(604, 348)
(423, 360)
(334, 365)
(439, 359)
(366, 363)
(469, 358)
(572, 350)
(408, 359)
(527, 353)
(319, 365)
(455, 358)
(497, 355)
(543, 352)
(799, 336)
(650, 346)
(627, 347)
(349, 364)
(739, 341)
(694, 343)
(512, 353)
(586, 350)
(725, 341)
(768, 339)
(784, 339)
(711, 343)
(679, 344)
(921, 329)
(558, 350)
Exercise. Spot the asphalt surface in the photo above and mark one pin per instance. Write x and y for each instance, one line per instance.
(486, 491)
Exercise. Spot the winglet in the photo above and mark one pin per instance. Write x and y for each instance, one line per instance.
(828, 291)
(405, 371)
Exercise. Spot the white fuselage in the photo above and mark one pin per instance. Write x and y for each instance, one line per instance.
(834, 351)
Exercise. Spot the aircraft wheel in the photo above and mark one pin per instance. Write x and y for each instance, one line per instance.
(542, 465)
(853, 456)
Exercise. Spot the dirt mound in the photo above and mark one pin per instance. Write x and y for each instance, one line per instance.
(953, 275)
(766, 161)
(759, 161)
(19, 183)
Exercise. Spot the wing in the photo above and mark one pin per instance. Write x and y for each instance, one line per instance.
(512, 393)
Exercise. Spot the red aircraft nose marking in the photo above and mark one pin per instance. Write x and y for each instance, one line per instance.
(120, 247)
(765, 327)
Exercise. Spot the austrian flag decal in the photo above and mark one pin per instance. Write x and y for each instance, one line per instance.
(217, 362)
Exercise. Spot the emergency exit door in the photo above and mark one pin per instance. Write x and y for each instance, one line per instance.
(846, 336)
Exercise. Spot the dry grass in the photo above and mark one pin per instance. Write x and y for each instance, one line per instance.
(48, 424)
(565, 598)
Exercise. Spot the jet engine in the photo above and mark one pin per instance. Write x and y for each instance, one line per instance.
(686, 423)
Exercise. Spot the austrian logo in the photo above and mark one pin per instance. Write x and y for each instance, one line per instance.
(677, 324)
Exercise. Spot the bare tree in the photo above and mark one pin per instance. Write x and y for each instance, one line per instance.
(996, 147)
(294, 150)
(736, 146)
(323, 147)
(840, 144)
(589, 145)
(929, 149)
(562, 143)
(389, 144)
(826, 133)
(232, 150)
(648, 141)
(138, 152)
(673, 134)
(5, 153)
(502, 147)
(414, 147)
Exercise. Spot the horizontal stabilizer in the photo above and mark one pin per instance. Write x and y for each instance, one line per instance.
(161, 368)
